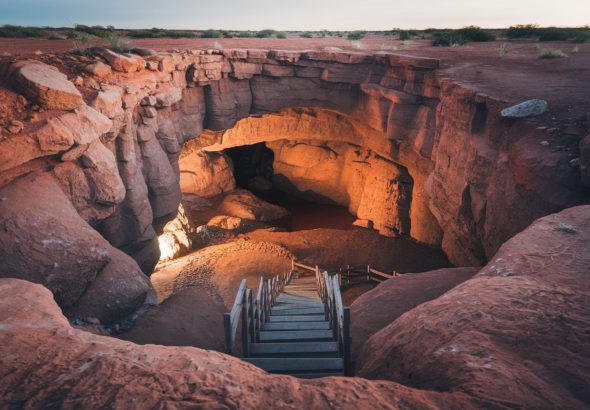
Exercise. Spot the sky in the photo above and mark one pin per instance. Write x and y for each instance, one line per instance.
(295, 14)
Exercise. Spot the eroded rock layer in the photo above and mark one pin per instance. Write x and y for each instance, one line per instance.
(436, 159)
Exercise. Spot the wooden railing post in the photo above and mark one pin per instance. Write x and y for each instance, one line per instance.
(229, 346)
(346, 342)
(245, 325)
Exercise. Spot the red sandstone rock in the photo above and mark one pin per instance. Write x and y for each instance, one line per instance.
(379, 307)
(511, 334)
(98, 69)
(120, 62)
(46, 86)
(45, 241)
(109, 102)
(206, 174)
(98, 371)
(243, 204)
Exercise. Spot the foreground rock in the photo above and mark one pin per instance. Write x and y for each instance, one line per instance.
(100, 372)
(515, 334)
(44, 240)
(47, 87)
(530, 108)
(244, 204)
(377, 308)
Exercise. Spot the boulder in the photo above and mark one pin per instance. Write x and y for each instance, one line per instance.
(109, 102)
(529, 108)
(45, 241)
(98, 69)
(46, 86)
(206, 174)
(103, 174)
(86, 125)
(120, 62)
(512, 334)
(243, 204)
(168, 96)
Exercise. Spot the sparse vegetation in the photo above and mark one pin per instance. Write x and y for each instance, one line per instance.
(356, 35)
(9, 30)
(447, 38)
(161, 33)
(575, 34)
(211, 34)
(545, 53)
(306, 34)
(81, 41)
(475, 33)
(117, 43)
(405, 35)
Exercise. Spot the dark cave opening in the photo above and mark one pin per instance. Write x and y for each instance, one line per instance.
(253, 170)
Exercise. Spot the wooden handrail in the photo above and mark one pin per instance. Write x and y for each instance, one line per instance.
(302, 266)
(252, 311)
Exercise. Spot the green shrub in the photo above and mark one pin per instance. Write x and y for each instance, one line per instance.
(581, 37)
(245, 34)
(475, 33)
(211, 34)
(522, 31)
(447, 38)
(117, 43)
(9, 30)
(267, 33)
(404, 35)
(306, 34)
(281, 34)
(552, 54)
(357, 35)
(553, 34)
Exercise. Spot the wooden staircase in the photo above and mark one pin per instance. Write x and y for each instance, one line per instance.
(297, 327)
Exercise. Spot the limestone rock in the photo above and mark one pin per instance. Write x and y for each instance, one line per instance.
(206, 174)
(47, 87)
(530, 108)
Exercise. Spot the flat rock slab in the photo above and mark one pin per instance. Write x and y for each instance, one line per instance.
(48, 87)
(530, 108)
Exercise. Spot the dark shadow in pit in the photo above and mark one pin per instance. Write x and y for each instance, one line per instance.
(253, 170)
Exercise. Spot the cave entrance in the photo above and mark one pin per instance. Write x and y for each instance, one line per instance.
(253, 170)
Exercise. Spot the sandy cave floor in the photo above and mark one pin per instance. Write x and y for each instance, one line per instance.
(196, 289)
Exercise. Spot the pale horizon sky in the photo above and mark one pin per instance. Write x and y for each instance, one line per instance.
(295, 15)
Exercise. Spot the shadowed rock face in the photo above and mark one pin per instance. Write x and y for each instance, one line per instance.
(437, 160)
(516, 333)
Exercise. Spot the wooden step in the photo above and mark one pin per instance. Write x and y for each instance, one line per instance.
(305, 311)
(297, 318)
(294, 348)
(295, 335)
(283, 306)
(316, 375)
(296, 326)
(302, 365)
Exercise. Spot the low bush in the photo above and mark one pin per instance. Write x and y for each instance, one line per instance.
(211, 34)
(9, 30)
(306, 34)
(475, 33)
(356, 35)
(552, 54)
(447, 38)
(117, 43)
(281, 34)
(575, 34)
